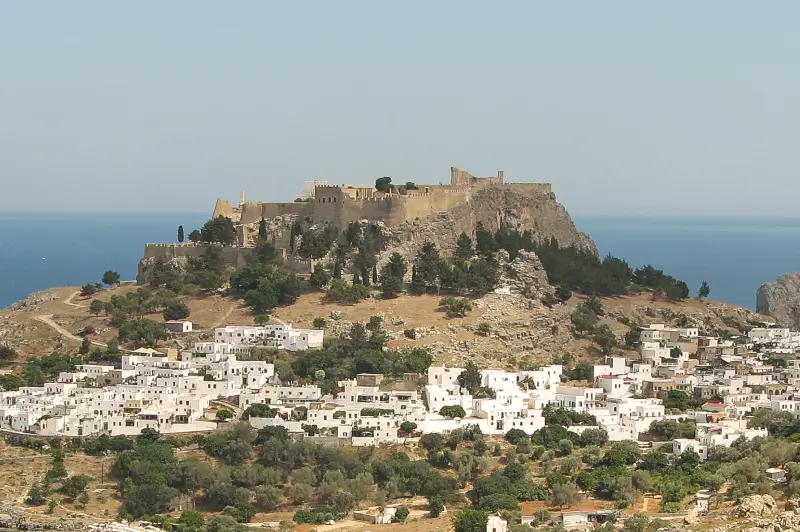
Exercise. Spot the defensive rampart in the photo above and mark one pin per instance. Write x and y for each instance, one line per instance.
(234, 257)
(169, 252)
(252, 212)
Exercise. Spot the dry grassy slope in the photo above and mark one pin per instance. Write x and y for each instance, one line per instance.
(522, 330)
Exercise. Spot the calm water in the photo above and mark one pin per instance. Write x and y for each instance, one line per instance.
(41, 251)
(734, 256)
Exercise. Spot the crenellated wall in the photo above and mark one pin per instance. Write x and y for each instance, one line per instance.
(252, 212)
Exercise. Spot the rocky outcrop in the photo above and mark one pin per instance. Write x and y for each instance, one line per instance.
(35, 299)
(755, 506)
(492, 206)
(780, 298)
(525, 275)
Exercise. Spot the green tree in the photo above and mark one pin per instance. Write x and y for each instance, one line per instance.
(258, 410)
(36, 495)
(73, 486)
(563, 293)
(484, 241)
(470, 379)
(33, 375)
(675, 352)
(392, 274)
(86, 345)
(218, 230)
(96, 307)
(426, 269)
(195, 236)
(261, 319)
(176, 309)
(10, 383)
(180, 234)
(605, 338)
(262, 230)
(319, 323)
(341, 292)
(455, 307)
(452, 411)
(564, 495)
(320, 277)
(464, 250)
(89, 289)
(704, 290)
(142, 331)
(470, 521)
(633, 337)
(191, 520)
(112, 347)
(110, 278)
(7, 354)
(224, 415)
(483, 275)
(383, 184)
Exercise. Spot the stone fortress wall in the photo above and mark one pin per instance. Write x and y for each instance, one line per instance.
(343, 204)
(233, 255)
(340, 205)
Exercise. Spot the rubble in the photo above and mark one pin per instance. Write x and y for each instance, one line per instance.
(755, 506)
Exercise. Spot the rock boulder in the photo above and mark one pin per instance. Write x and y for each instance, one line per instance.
(780, 298)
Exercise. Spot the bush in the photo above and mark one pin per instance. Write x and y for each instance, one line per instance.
(341, 292)
(452, 411)
(319, 323)
(36, 496)
(316, 516)
(514, 436)
(176, 310)
(400, 515)
(454, 307)
(484, 328)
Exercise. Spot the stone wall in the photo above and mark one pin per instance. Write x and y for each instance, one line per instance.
(223, 207)
(234, 256)
(252, 212)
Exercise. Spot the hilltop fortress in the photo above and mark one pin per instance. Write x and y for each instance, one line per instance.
(408, 213)
(342, 204)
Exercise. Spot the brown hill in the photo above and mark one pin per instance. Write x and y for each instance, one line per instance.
(521, 330)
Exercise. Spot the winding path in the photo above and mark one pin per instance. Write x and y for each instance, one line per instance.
(47, 319)
(69, 302)
(224, 317)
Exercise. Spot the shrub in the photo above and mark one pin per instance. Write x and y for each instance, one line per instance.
(400, 515)
(341, 292)
(454, 307)
(316, 516)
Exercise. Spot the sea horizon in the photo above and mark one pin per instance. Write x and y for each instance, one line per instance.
(735, 255)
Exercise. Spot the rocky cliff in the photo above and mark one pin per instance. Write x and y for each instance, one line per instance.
(778, 299)
(520, 208)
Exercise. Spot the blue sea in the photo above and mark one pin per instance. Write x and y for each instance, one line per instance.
(44, 250)
(735, 256)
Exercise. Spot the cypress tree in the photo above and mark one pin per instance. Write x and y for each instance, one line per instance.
(375, 274)
(262, 230)
(356, 280)
(180, 234)
(337, 270)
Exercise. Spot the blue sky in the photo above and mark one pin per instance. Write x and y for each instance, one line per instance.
(669, 108)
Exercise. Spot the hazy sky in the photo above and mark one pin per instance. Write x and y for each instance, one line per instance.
(679, 107)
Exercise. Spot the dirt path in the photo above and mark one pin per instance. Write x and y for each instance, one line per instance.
(224, 317)
(47, 319)
(69, 302)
